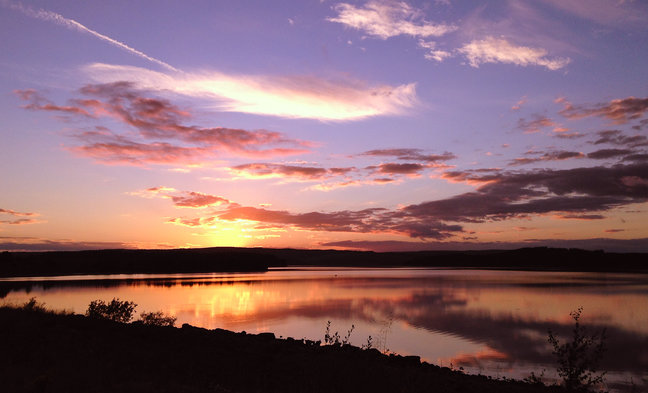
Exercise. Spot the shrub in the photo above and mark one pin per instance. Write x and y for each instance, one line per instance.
(157, 318)
(334, 339)
(33, 305)
(116, 310)
(578, 360)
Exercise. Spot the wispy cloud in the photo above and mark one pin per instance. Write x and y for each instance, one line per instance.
(71, 24)
(18, 221)
(579, 192)
(499, 50)
(519, 104)
(162, 137)
(616, 137)
(385, 19)
(268, 170)
(619, 111)
(435, 160)
(9, 243)
(282, 96)
(536, 124)
(391, 168)
(559, 155)
(606, 12)
(189, 199)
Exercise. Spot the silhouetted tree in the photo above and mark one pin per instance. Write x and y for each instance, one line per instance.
(579, 359)
(157, 318)
(116, 310)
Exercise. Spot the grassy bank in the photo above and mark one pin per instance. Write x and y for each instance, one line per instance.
(44, 351)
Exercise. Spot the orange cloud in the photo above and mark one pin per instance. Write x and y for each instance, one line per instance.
(18, 221)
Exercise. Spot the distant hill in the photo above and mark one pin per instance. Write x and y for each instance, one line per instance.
(230, 259)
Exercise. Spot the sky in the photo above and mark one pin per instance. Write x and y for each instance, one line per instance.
(369, 125)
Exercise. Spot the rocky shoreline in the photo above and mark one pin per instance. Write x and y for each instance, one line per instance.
(45, 351)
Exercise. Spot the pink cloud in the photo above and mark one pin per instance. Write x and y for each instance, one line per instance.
(190, 199)
(161, 136)
(620, 111)
(536, 124)
(18, 221)
(279, 170)
(500, 50)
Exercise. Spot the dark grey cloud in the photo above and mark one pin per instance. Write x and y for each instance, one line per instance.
(558, 155)
(540, 191)
(620, 111)
(411, 155)
(607, 244)
(609, 153)
(617, 137)
(399, 169)
(580, 193)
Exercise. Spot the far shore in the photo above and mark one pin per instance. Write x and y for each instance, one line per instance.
(228, 259)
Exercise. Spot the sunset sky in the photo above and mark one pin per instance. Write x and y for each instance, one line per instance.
(376, 125)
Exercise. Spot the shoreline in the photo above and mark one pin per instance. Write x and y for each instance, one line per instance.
(228, 259)
(50, 351)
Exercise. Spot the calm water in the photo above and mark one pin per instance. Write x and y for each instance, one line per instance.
(489, 322)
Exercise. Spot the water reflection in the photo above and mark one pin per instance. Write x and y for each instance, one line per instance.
(491, 322)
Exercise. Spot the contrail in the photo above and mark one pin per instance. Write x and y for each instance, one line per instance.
(71, 24)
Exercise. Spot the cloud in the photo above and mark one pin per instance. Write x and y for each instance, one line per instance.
(616, 137)
(580, 217)
(536, 124)
(432, 52)
(568, 135)
(36, 244)
(383, 19)
(15, 213)
(559, 155)
(608, 153)
(352, 175)
(582, 192)
(71, 24)
(399, 169)
(619, 111)
(519, 194)
(607, 244)
(282, 96)
(190, 199)
(410, 155)
(265, 170)
(161, 136)
(636, 157)
(18, 221)
(613, 13)
(613, 230)
(519, 104)
(38, 102)
(500, 50)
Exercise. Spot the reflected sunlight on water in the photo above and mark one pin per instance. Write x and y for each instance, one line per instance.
(489, 322)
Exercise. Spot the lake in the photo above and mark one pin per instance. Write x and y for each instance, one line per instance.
(484, 321)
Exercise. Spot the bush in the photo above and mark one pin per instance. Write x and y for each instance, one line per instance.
(334, 339)
(157, 318)
(34, 305)
(116, 310)
(579, 359)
